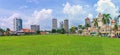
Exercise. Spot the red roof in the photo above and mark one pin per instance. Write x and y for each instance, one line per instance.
(27, 30)
(87, 18)
(113, 21)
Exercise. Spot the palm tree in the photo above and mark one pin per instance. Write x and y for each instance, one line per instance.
(117, 23)
(7, 31)
(106, 19)
(2, 31)
(87, 25)
(95, 21)
(118, 18)
(80, 26)
(115, 27)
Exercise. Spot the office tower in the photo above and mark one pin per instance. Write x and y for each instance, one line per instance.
(35, 28)
(66, 25)
(54, 23)
(17, 24)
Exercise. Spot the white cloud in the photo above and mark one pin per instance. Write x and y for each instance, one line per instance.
(72, 10)
(90, 16)
(39, 17)
(35, 1)
(76, 13)
(7, 22)
(106, 6)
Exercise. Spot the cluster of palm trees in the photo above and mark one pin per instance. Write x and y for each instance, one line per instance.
(106, 20)
(78, 28)
(5, 32)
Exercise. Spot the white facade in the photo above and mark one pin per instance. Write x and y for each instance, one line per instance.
(17, 23)
(54, 23)
(100, 23)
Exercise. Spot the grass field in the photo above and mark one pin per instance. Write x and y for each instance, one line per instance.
(59, 45)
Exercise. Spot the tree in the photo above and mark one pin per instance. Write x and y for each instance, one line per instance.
(80, 26)
(73, 29)
(106, 19)
(38, 32)
(117, 19)
(87, 25)
(115, 27)
(63, 31)
(80, 31)
(95, 22)
(7, 31)
(54, 30)
(83, 27)
(2, 31)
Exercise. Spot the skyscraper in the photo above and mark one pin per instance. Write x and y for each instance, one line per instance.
(35, 28)
(17, 24)
(54, 23)
(66, 25)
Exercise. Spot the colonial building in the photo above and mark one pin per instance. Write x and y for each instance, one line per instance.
(101, 29)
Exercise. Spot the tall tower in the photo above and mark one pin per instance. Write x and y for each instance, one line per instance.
(17, 23)
(66, 25)
(54, 23)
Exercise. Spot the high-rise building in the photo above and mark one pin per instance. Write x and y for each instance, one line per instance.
(66, 25)
(35, 28)
(17, 24)
(61, 25)
(54, 23)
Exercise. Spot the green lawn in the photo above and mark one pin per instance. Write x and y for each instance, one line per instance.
(59, 45)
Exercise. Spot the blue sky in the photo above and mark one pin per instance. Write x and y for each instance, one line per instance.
(42, 11)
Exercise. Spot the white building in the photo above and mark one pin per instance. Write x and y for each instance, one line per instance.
(17, 23)
(54, 23)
